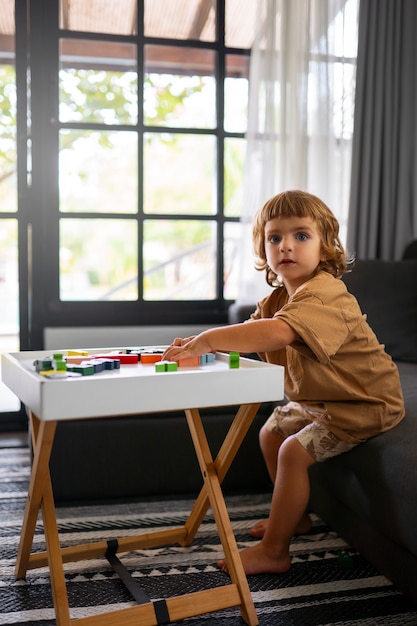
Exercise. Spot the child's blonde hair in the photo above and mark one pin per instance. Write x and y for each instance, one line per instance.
(297, 203)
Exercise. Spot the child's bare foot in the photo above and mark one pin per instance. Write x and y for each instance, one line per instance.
(257, 560)
(303, 527)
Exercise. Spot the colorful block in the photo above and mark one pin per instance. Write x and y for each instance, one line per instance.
(56, 374)
(207, 358)
(84, 370)
(58, 362)
(111, 364)
(47, 372)
(191, 362)
(121, 356)
(42, 365)
(234, 360)
(98, 365)
(145, 350)
(147, 358)
(75, 359)
(166, 366)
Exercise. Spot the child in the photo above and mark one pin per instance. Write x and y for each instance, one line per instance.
(341, 385)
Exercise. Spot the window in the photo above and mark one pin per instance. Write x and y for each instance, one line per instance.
(152, 121)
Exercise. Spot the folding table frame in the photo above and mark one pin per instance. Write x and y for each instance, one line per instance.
(148, 613)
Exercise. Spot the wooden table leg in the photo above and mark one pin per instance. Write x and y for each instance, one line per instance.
(221, 516)
(40, 496)
(231, 444)
(56, 567)
(42, 436)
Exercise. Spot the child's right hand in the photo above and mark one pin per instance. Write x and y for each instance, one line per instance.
(186, 348)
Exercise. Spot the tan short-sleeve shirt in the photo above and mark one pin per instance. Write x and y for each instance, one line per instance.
(337, 363)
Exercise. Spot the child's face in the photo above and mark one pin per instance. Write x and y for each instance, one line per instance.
(293, 249)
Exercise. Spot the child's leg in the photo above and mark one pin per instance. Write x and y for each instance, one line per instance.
(270, 444)
(289, 502)
(313, 443)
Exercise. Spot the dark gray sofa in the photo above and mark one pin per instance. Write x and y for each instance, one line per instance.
(369, 495)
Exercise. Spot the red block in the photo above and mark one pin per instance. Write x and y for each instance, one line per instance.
(123, 358)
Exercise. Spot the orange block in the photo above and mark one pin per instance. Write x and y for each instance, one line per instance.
(150, 358)
(191, 362)
(75, 360)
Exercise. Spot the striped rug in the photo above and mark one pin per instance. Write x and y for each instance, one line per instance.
(328, 582)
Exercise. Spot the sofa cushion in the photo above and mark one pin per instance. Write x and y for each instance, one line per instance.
(387, 293)
(377, 479)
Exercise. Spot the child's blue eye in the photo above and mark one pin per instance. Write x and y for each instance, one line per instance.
(275, 239)
(302, 236)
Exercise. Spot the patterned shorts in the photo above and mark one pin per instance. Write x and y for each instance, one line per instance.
(295, 419)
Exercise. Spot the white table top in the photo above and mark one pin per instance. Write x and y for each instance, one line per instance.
(137, 388)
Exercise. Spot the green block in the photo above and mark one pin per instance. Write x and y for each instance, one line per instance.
(43, 365)
(85, 370)
(234, 359)
(166, 366)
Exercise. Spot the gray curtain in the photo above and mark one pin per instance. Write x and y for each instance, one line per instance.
(383, 199)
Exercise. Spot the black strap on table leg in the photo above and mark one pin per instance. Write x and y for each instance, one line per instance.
(161, 612)
(137, 592)
(160, 606)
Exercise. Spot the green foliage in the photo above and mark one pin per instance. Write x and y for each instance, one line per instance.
(165, 96)
(98, 96)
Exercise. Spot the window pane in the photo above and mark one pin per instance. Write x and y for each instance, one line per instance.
(8, 157)
(9, 283)
(179, 260)
(234, 161)
(180, 19)
(179, 89)
(99, 16)
(98, 171)
(179, 174)
(236, 93)
(240, 23)
(232, 243)
(98, 82)
(98, 259)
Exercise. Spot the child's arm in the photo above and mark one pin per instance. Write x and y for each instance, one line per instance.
(265, 335)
